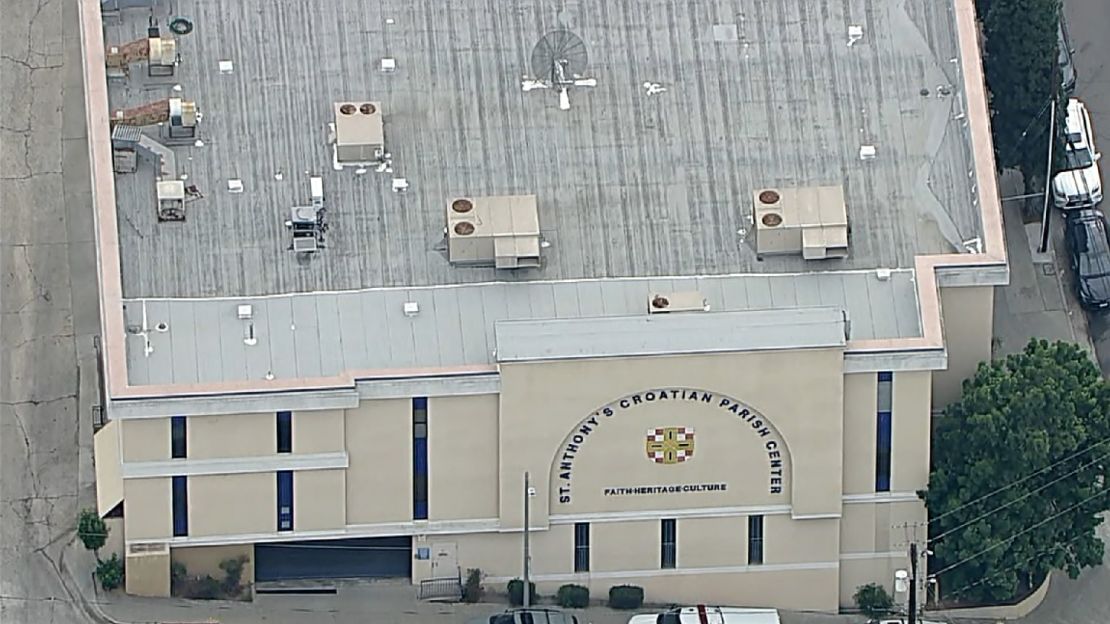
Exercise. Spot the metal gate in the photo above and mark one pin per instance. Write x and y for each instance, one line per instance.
(362, 557)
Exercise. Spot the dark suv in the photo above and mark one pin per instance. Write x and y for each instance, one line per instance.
(1089, 248)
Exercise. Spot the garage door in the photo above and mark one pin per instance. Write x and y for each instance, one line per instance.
(368, 557)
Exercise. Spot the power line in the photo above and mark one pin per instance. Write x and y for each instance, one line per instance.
(1018, 534)
(1016, 500)
(989, 577)
(1018, 482)
(1025, 132)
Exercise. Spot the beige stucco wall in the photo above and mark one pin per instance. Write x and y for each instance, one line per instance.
(146, 439)
(147, 574)
(635, 545)
(968, 317)
(379, 472)
(618, 546)
(800, 541)
(462, 457)
(860, 413)
(147, 508)
(499, 554)
(230, 504)
(109, 475)
(318, 500)
(910, 431)
(710, 542)
(231, 435)
(543, 404)
(880, 527)
(317, 431)
(114, 544)
(201, 560)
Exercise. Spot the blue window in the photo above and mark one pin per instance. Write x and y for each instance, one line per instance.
(582, 547)
(180, 507)
(177, 437)
(755, 540)
(883, 432)
(669, 552)
(285, 500)
(285, 432)
(420, 458)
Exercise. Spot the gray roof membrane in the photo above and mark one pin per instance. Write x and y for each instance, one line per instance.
(671, 333)
(321, 334)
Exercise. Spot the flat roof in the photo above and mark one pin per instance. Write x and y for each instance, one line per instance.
(760, 93)
(669, 334)
(315, 335)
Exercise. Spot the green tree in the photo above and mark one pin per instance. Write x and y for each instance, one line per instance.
(92, 530)
(1020, 63)
(1020, 467)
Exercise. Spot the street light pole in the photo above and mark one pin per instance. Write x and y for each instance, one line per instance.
(527, 585)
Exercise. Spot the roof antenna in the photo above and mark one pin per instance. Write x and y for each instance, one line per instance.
(558, 62)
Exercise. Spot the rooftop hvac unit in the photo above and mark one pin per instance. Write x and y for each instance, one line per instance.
(305, 244)
(501, 231)
(812, 221)
(359, 136)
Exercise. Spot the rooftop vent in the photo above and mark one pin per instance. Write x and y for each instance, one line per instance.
(501, 231)
(691, 301)
(358, 133)
(811, 221)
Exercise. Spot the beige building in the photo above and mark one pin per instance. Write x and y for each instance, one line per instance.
(708, 315)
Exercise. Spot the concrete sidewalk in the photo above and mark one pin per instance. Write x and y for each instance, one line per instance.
(362, 602)
(1039, 301)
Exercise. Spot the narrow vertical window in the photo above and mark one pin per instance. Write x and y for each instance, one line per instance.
(285, 432)
(285, 500)
(883, 433)
(582, 547)
(420, 458)
(755, 540)
(177, 437)
(668, 556)
(180, 507)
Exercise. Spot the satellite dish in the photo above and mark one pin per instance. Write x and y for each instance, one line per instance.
(558, 57)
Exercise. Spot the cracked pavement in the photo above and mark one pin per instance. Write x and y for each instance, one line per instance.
(48, 313)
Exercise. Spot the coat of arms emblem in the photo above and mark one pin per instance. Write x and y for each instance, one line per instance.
(670, 445)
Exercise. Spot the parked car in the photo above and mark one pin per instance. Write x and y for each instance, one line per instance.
(702, 614)
(1067, 65)
(533, 615)
(1085, 234)
(1078, 184)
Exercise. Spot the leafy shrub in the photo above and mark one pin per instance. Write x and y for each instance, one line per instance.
(626, 597)
(516, 592)
(178, 572)
(873, 600)
(110, 572)
(573, 596)
(233, 569)
(92, 530)
(203, 588)
(472, 589)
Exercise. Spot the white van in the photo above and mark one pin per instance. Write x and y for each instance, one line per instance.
(702, 614)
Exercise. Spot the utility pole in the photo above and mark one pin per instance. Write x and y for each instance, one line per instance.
(1046, 211)
(912, 617)
(527, 560)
